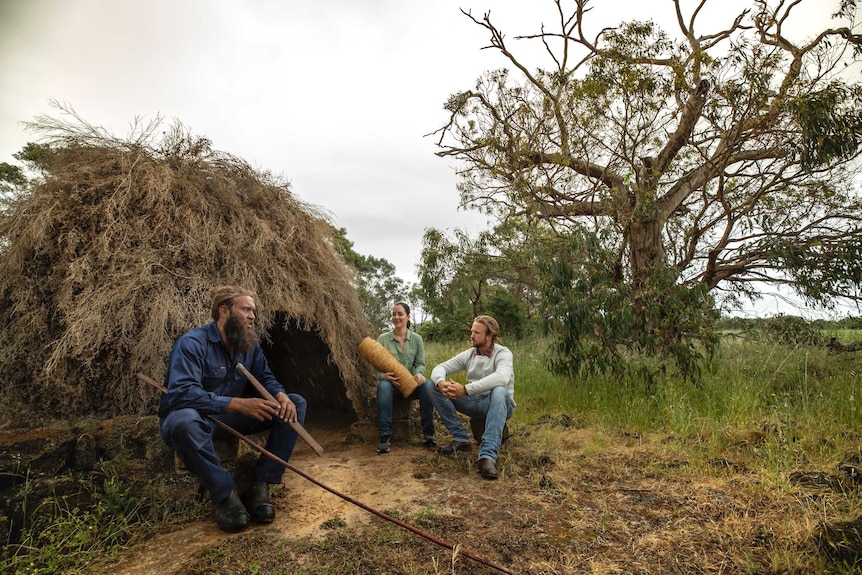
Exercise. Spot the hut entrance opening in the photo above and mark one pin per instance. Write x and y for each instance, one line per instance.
(299, 359)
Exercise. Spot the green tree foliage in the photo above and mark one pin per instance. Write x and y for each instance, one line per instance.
(447, 284)
(595, 317)
(12, 175)
(15, 180)
(684, 166)
(34, 155)
(376, 283)
(830, 122)
(12, 178)
(508, 312)
(461, 277)
(790, 330)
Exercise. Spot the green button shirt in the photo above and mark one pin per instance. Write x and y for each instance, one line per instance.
(412, 356)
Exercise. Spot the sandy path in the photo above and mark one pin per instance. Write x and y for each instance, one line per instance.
(383, 482)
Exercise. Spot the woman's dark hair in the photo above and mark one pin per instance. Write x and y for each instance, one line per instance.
(406, 310)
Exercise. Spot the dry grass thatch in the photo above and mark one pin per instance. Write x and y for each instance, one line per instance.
(109, 257)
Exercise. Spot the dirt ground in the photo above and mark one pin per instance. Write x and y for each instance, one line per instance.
(568, 501)
(383, 482)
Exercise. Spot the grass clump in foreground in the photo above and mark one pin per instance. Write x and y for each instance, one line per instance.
(84, 536)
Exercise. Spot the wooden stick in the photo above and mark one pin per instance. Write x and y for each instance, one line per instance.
(295, 425)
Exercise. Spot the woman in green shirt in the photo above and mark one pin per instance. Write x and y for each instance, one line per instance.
(409, 349)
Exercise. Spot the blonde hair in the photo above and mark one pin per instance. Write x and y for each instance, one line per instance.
(490, 323)
(224, 295)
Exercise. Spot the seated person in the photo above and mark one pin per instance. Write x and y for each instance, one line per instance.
(409, 349)
(202, 380)
(489, 393)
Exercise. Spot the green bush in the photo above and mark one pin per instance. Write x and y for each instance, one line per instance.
(790, 330)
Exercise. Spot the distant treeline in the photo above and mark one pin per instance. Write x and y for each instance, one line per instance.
(751, 323)
(795, 330)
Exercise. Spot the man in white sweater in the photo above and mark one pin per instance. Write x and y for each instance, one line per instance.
(489, 393)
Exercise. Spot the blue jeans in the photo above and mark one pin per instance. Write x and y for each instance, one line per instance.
(494, 407)
(191, 436)
(385, 393)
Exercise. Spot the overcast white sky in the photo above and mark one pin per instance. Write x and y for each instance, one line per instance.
(335, 95)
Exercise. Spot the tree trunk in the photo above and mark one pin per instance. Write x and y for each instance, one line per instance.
(646, 251)
(646, 258)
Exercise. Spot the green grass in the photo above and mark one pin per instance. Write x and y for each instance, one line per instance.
(844, 336)
(65, 539)
(73, 537)
(807, 399)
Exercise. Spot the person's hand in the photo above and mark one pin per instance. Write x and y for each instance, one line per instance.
(286, 408)
(420, 379)
(452, 389)
(254, 407)
(393, 379)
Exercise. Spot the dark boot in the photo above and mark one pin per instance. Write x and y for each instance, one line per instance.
(456, 446)
(487, 468)
(231, 514)
(262, 511)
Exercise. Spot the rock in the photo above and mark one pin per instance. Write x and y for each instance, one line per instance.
(28, 454)
(131, 437)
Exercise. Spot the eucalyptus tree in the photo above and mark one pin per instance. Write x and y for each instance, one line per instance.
(675, 166)
(461, 276)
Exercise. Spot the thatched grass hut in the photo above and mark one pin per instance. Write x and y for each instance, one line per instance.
(109, 257)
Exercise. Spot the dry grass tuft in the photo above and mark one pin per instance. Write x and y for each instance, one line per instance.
(841, 541)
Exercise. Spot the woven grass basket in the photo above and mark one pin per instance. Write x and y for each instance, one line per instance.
(379, 357)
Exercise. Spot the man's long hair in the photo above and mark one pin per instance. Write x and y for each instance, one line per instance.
(490, 323)
(224, 295)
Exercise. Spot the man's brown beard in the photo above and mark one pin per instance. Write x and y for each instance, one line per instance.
(239, 338)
